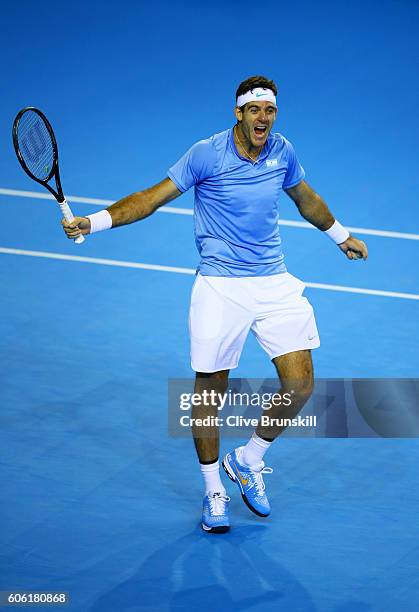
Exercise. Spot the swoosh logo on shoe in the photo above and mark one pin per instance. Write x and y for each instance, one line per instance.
(244, 481)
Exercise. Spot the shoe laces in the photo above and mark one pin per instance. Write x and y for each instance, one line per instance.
(256, 479)
(217, 503)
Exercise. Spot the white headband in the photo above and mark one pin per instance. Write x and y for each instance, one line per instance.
(259, 94)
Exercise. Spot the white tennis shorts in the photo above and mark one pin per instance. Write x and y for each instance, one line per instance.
(224, 308)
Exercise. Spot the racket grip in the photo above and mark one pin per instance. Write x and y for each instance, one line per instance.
(68, 216)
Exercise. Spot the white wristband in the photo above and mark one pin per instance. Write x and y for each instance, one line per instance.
(100, 221)
(337, 233)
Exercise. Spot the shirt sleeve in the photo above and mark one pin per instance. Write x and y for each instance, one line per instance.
(195, 166)
(295, 172)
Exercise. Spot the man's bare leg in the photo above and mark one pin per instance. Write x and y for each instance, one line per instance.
(207, 439)
(295, 371)
(245, 464)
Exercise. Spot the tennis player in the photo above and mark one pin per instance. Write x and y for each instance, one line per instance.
(242, 282)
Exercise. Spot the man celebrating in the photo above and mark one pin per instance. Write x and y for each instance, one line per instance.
(242, 283)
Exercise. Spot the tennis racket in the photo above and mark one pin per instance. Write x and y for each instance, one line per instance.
(37, 152)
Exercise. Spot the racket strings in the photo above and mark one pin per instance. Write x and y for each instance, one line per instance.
(35, 145)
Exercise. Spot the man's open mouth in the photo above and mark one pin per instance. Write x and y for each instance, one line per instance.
(260, 130)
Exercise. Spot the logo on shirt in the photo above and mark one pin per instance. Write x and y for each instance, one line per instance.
(271, 163)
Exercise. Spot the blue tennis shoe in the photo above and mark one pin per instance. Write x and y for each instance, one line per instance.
(249, 480)
(215, 513)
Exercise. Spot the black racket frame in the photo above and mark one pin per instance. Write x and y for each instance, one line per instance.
(58, 195)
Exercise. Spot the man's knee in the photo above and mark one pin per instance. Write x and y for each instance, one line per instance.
(214, 380)
(295, 372)
(300, 390)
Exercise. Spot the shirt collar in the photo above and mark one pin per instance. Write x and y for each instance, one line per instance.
(264, 153)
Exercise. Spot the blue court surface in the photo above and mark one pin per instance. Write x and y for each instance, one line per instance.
(97, 499)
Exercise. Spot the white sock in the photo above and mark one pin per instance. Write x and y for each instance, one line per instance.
(211, 474)
(254, 450)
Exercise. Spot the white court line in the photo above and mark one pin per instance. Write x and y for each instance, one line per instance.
(97, 260)
(187, 211)
(133, 264)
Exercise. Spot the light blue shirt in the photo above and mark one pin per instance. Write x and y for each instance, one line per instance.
(236, 203)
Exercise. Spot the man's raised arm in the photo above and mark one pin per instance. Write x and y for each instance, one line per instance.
(128, 210)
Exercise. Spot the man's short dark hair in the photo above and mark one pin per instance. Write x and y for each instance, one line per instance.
(253, 82)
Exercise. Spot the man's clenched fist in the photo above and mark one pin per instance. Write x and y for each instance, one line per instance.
(79, 225)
